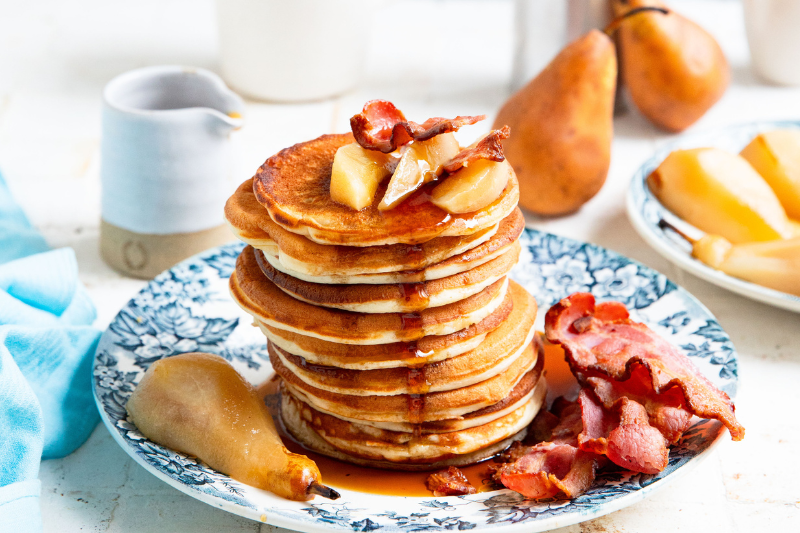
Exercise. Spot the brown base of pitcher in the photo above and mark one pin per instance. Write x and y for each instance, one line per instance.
(142, 255)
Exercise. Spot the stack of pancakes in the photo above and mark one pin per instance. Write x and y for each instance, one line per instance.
(400, 340)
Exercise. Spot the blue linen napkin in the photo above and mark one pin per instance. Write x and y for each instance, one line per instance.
(46, 349)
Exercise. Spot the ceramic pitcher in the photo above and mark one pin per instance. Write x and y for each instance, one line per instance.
(166, 164)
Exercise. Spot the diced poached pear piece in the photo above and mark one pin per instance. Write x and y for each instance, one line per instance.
(472, 187)
(420, 162)
(773, 264)
(776, 156)
(357, 173)
(198, 404)
(720, 193)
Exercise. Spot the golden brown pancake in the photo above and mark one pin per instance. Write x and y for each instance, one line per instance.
(531, 385)
(472, 367)
(361, 444)
(262, 299)
(432, 348)
(414, 408)
(519, 308)
(494, 355)
(503, 237)
(251, 223)
(294, 184)
(310, 439)
(394, 297)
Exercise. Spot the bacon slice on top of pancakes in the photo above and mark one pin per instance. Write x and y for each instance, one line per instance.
(639, 395)
(381, 126)
(489, 147)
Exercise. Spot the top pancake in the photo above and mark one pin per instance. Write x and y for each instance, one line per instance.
(294, 187)
(252, 224)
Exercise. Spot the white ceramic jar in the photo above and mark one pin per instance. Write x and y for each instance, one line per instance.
(773, 33)
(296, 50)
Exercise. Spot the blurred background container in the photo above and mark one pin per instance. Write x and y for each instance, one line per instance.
(543, 27)
(773, 33)
(292, 51)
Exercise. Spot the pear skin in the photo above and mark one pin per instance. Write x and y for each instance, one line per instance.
(198, 404)
(561, 124)
(674, 70)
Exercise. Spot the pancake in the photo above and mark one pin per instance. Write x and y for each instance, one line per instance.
(494, 355)
(432, 348)
(470, 368)
(395, 297)
(502, 239)
(354, 442)
(293, 186)
(415, 408)
(310, 439)
(518, 308)
(521, 393)
(251, 223)
(270, 305)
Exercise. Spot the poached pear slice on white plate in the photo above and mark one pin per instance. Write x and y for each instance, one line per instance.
(645, 211)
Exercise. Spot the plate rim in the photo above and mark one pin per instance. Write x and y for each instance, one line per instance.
(545, 524)
(638, 194)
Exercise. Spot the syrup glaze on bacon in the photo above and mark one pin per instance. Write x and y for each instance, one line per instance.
(638, 397)
(381, 126)
(450, 482)
(489, 147)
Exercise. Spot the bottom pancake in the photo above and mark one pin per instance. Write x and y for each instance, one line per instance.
(368, 446)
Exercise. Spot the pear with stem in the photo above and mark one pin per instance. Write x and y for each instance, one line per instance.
(196, 403)
(773, 264)
(674, 70)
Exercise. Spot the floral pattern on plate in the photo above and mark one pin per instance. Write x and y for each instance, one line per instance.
(188, 308)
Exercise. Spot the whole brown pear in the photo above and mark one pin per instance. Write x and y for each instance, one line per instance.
(673, 69)
(561, 127)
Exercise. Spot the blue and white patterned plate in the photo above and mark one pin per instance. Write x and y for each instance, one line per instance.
(188, 308)
(645, 211)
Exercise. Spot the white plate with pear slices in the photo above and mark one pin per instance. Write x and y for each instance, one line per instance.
(646, 212)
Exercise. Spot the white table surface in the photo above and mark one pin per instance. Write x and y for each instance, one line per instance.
(56, 56)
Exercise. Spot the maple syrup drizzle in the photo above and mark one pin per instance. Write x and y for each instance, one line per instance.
(415, 296)
(418, 379)
(344, 475)
(418, 387)
(416, 213)
(410, 321)
(413, 350)
(416, 256)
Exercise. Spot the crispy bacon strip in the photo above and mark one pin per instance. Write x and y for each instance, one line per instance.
(549, 469)
(664, 410)
(555, 467)
(490, 147)
(602, 342)
(623, 434)
(450, 482)
(381, 126)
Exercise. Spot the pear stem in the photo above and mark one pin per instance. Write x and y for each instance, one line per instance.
(322, 490)
(663, 224)
(612, 28)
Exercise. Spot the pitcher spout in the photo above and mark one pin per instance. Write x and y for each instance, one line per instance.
(170, 90)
